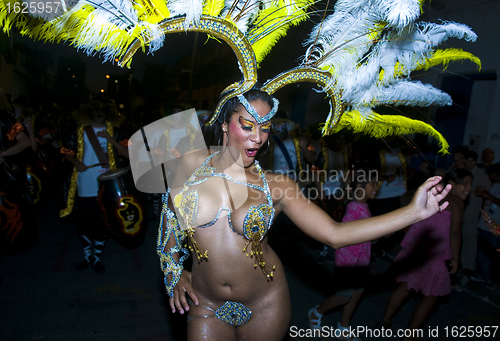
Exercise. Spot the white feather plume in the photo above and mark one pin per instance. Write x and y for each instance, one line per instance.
(343, 40)
(448, 29)
(408, 93)
(362, 38)
(97, 33)
(351, 31)
(414, 45)
(191, 8)
(399, 13)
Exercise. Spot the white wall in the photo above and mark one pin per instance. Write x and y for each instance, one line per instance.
(479, 128)
(483, 17)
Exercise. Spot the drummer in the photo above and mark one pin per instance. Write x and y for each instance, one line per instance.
(92, 150)
(13, 140)
(19, 233)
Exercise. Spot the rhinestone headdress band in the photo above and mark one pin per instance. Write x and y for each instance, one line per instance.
(255, 114)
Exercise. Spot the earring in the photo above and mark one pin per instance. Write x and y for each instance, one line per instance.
(220, 138)
(267, 149)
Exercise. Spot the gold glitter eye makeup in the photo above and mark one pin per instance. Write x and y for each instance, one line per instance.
(246, 125)
(266, 128)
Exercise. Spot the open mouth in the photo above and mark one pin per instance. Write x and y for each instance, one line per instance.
(251, 152)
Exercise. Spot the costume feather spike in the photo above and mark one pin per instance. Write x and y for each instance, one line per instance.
(273, 23)
(364, 120)
(241, 12)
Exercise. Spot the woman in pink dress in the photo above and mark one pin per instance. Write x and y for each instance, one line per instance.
(351, 262)
(421, 266)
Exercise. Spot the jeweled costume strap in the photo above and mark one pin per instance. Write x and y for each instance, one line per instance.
(169, 227)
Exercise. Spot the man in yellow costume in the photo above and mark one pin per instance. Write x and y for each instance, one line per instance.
(92, 151)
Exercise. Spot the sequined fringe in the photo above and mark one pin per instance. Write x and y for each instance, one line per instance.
(256, 252)
(192, 245)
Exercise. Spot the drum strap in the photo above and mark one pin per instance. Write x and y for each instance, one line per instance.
(103, 157)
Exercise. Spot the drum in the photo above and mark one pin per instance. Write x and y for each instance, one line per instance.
(18, 224)
(122, 207)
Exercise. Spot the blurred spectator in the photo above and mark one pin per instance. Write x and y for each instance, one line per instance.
(488, 260)
(480, 182)
(459, 154)
(488, 158)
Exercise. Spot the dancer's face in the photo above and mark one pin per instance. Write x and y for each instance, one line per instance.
(245, 134)
(462, 189)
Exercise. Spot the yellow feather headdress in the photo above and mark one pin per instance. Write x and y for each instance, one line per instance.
(361, 55)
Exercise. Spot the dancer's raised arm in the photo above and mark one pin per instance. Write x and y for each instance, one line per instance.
(317, 224)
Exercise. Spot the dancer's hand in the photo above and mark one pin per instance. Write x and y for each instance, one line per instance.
(428, 196)
(179, 300)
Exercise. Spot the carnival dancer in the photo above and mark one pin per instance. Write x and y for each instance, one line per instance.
(361, 56)
(92, 151)
(237, 286)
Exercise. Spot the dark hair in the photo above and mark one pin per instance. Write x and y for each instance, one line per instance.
(85, 113)
(362, 173)
(471, 155)
(457, 175)
(213, 132)
(281, 114)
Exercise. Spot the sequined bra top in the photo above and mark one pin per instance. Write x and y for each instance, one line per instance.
(256, 223)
